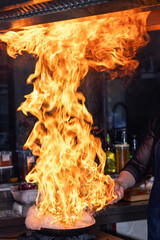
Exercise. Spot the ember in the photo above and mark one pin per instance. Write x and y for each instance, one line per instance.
(70, 182)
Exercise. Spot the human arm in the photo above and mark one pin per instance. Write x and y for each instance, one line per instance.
(123, 182)
(137, 167)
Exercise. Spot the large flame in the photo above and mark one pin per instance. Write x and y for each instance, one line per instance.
(69, 180)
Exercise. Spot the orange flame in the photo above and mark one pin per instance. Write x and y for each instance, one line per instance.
(69, 180)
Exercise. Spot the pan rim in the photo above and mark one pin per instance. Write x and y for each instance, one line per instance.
(67, 232)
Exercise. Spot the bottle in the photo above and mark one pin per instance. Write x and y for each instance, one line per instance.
(30, 161)
(5, 158)
(133, 146)
(122, 151)
(124, 136)
(110, 165)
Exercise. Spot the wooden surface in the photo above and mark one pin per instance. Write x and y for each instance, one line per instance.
(106, 236)
(135, 198)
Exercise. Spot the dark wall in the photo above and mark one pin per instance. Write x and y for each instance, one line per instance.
(23, 66)
(142, 94)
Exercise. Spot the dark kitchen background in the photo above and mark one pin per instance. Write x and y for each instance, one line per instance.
(114, 104)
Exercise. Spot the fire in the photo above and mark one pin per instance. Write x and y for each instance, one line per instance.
(69, 180)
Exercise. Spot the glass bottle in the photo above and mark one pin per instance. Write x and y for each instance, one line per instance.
(124, 136)
(110, 165)
(133, 146)
(122, 151)
(5, 158)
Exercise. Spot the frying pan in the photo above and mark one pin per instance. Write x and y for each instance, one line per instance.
(67, 232)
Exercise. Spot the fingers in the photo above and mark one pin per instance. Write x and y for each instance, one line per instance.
(117, 186)
(120, 194)
(113, 201)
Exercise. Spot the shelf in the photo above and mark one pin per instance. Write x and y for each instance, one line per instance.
(4, 117)
(3, 91)
(150, 75)
(3, 86)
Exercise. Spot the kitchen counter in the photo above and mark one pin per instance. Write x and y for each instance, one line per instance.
(123, 211)
(12, 213)
(12, 219)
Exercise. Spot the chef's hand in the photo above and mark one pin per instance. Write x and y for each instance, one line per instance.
(124, 181)
(118, 191)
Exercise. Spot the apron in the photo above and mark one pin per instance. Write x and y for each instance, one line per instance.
(154, 202)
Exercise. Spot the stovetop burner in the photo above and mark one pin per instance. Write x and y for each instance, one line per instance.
(37, 236)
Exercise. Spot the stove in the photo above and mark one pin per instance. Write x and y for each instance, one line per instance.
(38, 236)
(87, 236)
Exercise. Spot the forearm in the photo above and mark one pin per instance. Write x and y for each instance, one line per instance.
(135, 169)
(126, 180)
